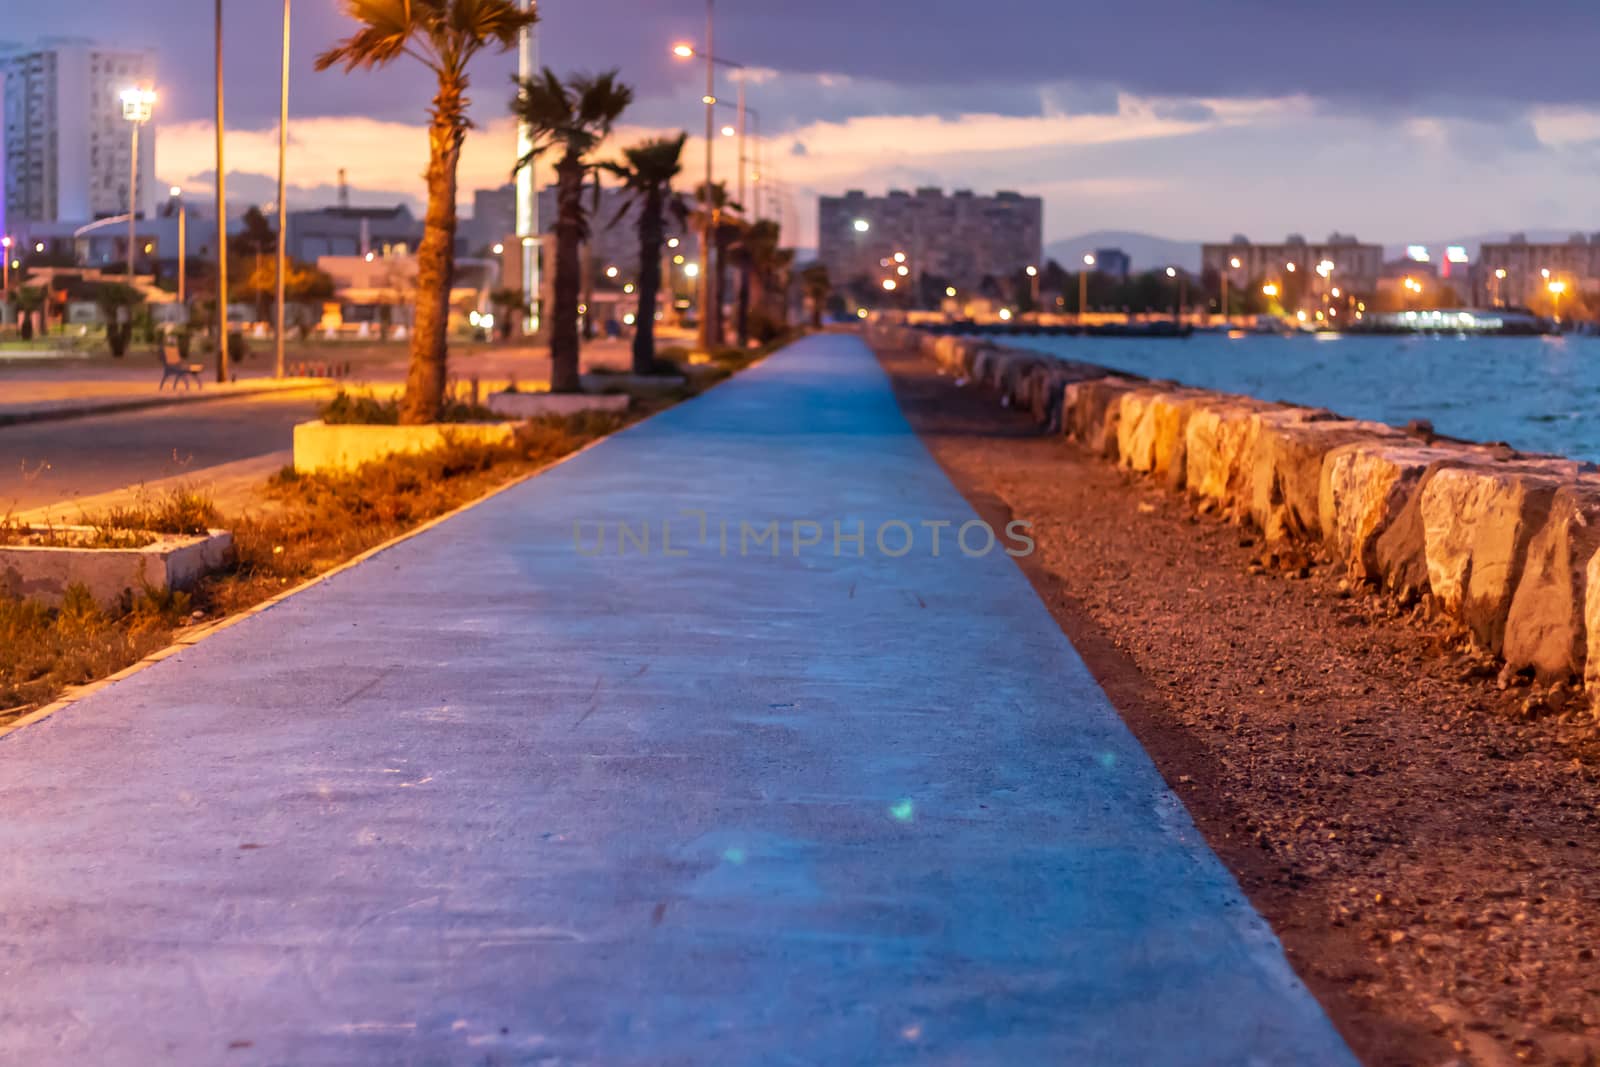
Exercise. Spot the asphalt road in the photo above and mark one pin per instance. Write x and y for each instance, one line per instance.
(48, 462)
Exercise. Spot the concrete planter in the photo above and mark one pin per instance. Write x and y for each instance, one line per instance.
(536, 405)
(172, 561)
(633, 383)
(320, 446)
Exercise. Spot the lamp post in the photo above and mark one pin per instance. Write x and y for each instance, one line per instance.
(222, 216)
(283, 217)
(1500, 287)
(138, 104)
(1227, 316)
(1083, 286)
(1556, 289)
(5, 264)
(183, 247)
(709, 297)
(1033, 287)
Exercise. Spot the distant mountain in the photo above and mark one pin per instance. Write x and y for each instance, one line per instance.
(1148, 252)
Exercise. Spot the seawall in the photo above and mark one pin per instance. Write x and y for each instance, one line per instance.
(1505, 544)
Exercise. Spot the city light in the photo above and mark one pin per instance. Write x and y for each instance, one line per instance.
(889, 284)
(708, 100)
(1234, 263)
(628, 288)
(691, 270)
(39, 246)
(862, 225)
(683, 51)
(1088, 260)
(950, 290)
(138, 104)
(1269, 290)
(1172, 272)
(612, 272)
(1005, 314)
(628, 319)
(902, 271)
(677, 261)
(499, 249)
(1545, 273)
(728, 131)
(175, 192)
(1500, 274)
(1289, 267)
(1336, 294)
(370, 257)
(1558, 287)
(861, 313)
(899, 257)
(672, 242)
(1033, 272)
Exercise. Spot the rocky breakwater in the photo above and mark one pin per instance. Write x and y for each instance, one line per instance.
(1505, 544)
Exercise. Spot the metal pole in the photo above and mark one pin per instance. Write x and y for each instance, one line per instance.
(183, 255)
(133, 198)
(222, 218)
(708, 211)
(1083, 293)
(283, 217)
(743, 204)
(528, 187)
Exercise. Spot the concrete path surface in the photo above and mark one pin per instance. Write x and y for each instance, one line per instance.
(496, 797)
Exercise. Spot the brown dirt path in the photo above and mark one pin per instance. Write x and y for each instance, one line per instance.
(1426, 845)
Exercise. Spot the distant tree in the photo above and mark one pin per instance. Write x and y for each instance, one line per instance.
(256, 236)
(117, 303)
(573, 116)
(814, 279)
(28, 301)
(764, 267)
(445, 36)
(509, 304)
(647, 177)
(726, 230)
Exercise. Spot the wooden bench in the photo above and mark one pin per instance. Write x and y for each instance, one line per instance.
(175, 368)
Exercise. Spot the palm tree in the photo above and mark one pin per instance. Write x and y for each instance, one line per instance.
(725, 235)
(508, 304)
(818, 287)
(763, 274)
(445, 36)
(574, 116)
(647, 182)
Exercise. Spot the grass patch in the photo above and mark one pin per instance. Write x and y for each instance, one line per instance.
(179, 512)
(364, 409)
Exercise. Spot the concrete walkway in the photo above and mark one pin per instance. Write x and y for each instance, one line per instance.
(489, 799)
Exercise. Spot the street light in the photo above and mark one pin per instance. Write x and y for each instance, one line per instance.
(282, 256)
(138, 105)
(5, 264)
(1500, 287)
(1033, 276)
(684, 50)
(862, 225)
(1556, 289)
(1227, 317)
(1083, 286)
(183, 249)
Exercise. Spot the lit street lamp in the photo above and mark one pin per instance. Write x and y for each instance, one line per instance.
(709, 296)
(1083, 286)
(183, 248)
(138, 105)
(5, 264)
(1033, 278)
(1227, 318)
(283, 216)
(1556, 289)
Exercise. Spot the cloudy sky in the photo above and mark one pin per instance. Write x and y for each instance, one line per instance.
(1396, 121)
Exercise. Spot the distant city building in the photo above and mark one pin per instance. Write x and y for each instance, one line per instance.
(612, 241)
(1574, 262)
(1113, 262)
(352, 231)
(1356, 267)
(66, 143)
(962, 238)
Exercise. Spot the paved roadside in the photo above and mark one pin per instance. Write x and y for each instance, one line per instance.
(494, 795)
(22, 404)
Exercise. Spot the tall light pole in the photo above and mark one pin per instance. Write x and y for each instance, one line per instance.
(527, 186)
(138, 105)
(1227, 314)
(222, 218)
(1033, 287)
(183, 250)
(5, 264)
(283, 216)
(1083, 286)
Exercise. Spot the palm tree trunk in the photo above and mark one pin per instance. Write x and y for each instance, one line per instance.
(742, 321)
(644, 320)
(569, 281)
(425, 380)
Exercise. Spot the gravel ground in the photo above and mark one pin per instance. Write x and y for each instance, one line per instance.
(1422, 832)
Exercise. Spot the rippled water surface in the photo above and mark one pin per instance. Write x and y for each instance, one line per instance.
(1541, 394)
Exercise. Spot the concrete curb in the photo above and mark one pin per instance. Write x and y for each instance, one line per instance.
(72, 410)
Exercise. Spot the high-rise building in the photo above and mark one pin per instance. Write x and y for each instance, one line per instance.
(961, 239)
(1346, 263)
(67, 146)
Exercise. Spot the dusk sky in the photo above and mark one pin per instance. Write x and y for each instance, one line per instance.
(1413, 121)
